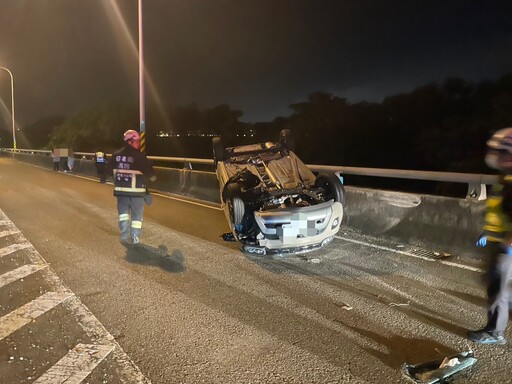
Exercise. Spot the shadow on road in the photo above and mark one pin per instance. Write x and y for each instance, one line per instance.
(157, 257)
(479, 301)
(400, 350)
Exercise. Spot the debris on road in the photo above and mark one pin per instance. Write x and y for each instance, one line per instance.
(442, 255)
(399, 304)
(228, 237)
(437, 370)
(344, 306)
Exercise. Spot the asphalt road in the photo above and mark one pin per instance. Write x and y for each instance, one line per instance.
(187, 307)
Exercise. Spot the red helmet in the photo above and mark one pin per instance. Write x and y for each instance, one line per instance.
(131, 135)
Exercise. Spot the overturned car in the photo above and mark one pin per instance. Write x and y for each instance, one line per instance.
(273, 203)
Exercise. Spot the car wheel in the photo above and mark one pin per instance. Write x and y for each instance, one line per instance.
(286, 139)
(237, 211)
(332, 186)
(234, 204)
(219, 152)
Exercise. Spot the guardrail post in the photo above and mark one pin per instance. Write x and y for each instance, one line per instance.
(476, 191)
(187, 165)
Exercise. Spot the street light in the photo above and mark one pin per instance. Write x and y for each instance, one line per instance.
(12, 109)
(142, 111)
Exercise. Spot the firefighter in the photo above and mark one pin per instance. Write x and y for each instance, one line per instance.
(130, 170)
(100, 159)
(497, 238)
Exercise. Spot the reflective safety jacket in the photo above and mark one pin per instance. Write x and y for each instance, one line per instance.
(130, 168)
(498, 224)
(100, 158)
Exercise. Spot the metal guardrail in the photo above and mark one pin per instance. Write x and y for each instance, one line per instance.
(476, 182)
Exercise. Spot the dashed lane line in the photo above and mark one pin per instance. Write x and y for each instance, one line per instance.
(410, 254)
(76, 365)
(20, 273)
(30, 311)
(14, 248)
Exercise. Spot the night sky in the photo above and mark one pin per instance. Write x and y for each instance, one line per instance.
(259, 56)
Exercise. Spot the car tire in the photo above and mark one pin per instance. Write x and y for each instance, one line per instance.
(235, 205)
(286, 139)
(332, 186)
(237, 210)
(219, 152)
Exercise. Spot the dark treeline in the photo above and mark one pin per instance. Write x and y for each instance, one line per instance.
(434, 127)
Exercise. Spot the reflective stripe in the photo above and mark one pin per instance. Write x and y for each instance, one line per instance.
(137, 224)
(126, 189)
(124, 217)
(130, 178)
(133, 172)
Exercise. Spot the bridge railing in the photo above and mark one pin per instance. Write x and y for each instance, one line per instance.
(476, 183)
(450, 223)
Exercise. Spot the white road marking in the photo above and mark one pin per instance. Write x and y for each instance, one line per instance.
(10, 232)
(13, 248)
(20, 273)
(450, 263)
(129, 372)
(5, 222)
(30, 311)
(76, 365)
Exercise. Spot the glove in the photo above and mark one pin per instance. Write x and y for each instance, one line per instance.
(482, 241)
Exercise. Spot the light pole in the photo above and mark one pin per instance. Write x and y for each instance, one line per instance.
(12, 109)
(142, 111)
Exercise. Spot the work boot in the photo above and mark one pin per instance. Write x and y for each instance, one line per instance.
(125, 240)
(135, 239)
(483, 336)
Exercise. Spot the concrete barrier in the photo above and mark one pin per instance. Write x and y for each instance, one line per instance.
(451, 224)
(448, 224)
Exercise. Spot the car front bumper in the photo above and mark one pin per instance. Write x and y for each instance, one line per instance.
(296, 230)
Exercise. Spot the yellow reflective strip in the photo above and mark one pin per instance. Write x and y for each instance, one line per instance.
(136, 224)
(493, 202)
(124, 217)
(123, 189)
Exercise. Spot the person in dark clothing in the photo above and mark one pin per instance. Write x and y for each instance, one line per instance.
(497, 237)
(130, 169)
(100, 160)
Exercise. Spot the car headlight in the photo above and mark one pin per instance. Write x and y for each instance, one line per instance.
(335, 223)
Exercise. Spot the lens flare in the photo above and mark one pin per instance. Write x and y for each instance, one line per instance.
(117, 19)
